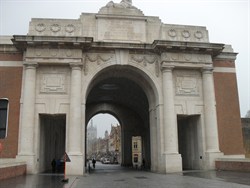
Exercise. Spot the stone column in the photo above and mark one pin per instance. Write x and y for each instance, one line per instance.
(26, 136)
(153, 140)
(210, 118)
(74, 142)
(173, 158)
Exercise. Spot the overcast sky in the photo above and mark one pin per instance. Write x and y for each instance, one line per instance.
(227, 21)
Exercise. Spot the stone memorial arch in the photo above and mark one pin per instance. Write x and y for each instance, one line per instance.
(156, 79)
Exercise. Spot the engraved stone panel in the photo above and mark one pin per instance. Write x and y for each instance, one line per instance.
(129, 29)
(187, 84)
(53, 83)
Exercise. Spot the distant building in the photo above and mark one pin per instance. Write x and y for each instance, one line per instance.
(115, 138)
(136, 151)
(91, 139)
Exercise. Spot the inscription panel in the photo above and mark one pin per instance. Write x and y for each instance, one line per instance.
(121, 30)
(187, 83)
(53, 83)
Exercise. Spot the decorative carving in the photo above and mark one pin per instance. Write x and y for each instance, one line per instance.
(69, 53)
(53, 52)
(70, 28)
(99, 58)
(201, 58)
(198, 35)
(165, 57)
(175, 56)
(55, 28)
(40, 27)
(122, 4)
(172, 33)
(185, 57)
(38, 52)
(53, 83)
(187, 84)
(143, 59)
(146, 59)
(185, 34)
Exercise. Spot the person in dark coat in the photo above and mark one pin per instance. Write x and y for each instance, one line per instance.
(53, 164)
(93, 162)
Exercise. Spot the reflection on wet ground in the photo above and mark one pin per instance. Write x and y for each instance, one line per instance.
(115, 176)
(227, 176)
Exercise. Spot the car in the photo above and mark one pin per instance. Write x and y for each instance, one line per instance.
(106, 161)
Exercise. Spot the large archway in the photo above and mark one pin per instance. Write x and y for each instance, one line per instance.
(124, 92)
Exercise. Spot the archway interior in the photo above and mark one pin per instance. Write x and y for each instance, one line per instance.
(120, 95)
(190, 148)
(52, 141)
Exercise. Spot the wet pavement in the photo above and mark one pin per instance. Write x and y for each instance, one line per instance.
(112, 176)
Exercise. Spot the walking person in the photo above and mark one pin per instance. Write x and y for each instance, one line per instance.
(93, 162)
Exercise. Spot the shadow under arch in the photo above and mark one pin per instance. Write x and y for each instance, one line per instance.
(142, 77)
(129, 94)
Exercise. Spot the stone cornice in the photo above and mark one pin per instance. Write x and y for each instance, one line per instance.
(22, 42)
(144, 18)
(226, 56)
(30, 65)
(195, 47)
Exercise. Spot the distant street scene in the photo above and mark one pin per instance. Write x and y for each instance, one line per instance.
(106, 149)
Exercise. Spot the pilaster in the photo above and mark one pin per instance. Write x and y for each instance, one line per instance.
(75, 167)
(210, 118)
(26, 144)
(172, 156)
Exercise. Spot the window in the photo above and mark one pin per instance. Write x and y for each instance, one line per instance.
(3, 117)
(135, 145)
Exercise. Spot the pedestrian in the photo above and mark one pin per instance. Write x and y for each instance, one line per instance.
(93, 162)
(53, 164)
(143, 163)
(58, 165)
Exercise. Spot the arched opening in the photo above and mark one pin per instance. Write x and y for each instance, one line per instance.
(124, 92)
(103, 134)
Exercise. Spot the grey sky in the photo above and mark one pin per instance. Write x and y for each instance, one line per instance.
(228, 21)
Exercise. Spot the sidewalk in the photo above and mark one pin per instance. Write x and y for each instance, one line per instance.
(107, 176)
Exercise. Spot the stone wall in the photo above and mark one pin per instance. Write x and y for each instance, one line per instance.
(233, 165)
(11, 168)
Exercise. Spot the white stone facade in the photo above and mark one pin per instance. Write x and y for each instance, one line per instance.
(172, 64)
